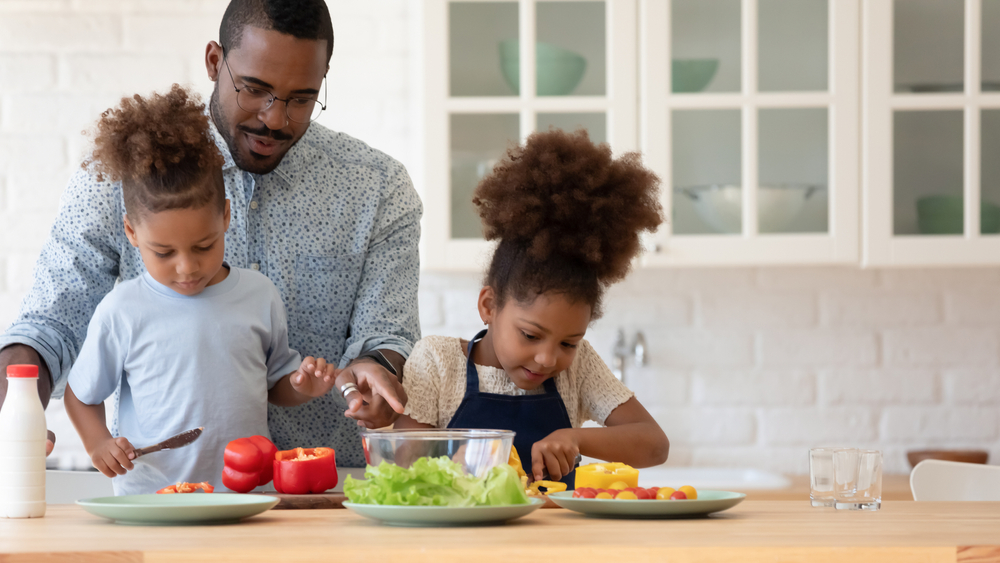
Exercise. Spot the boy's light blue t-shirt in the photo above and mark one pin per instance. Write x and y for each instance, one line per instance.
(183, 362)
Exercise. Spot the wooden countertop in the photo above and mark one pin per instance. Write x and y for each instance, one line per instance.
(752, 531)
(894, 487)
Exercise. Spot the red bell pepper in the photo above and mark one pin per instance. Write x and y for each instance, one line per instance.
(186, 488)
(247, 463)
(305, 470)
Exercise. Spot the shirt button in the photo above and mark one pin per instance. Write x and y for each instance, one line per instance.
(255, 266)
(253, 204)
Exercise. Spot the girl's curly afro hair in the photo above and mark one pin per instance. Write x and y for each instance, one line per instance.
(160, 149)
(568, 216)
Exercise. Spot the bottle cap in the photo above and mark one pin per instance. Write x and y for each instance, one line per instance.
(22, 370)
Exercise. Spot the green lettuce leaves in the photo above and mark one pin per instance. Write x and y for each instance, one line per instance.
(435, 481)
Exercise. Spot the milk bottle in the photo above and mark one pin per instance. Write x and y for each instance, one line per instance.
(22, 446)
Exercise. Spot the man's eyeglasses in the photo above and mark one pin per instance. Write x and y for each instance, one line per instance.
(256, 100)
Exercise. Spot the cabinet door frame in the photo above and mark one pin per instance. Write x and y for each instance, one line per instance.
(440, 251)
(840, 245)
(881, 246)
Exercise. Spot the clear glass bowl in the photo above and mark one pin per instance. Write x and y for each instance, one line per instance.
(477, 450)
(721, 206)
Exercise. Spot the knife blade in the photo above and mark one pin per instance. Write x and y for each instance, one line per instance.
(178, 441)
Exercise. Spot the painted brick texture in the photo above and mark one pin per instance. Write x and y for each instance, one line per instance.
(747, 367)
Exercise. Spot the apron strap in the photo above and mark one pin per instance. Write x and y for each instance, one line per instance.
(471, 375)
(550, 385)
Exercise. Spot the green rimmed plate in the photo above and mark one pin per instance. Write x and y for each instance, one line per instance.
(707, 502)
(444, 515)
(192, 508)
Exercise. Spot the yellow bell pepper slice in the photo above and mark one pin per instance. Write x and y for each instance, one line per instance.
(515, 461)
(550, 487)
(603, 475)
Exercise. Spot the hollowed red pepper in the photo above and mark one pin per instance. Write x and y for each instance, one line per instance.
(305, 470)
(248, 463)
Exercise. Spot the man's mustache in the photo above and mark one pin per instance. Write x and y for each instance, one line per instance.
(265, 132)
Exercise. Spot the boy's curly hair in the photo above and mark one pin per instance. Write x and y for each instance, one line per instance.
(160, 149)
(567, 215)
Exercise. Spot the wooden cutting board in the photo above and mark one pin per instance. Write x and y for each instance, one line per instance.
(319, 500)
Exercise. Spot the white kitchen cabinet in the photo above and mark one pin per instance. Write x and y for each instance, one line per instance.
(931, 132)
(760, 165)
(785, 131)
(481, 93)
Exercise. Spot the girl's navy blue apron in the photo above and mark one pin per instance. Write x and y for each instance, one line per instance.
(531, 417)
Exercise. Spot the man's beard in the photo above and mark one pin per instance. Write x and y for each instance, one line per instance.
(254, 165)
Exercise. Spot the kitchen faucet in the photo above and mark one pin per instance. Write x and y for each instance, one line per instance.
(622, 351)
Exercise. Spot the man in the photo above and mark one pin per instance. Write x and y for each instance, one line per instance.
(332, 222)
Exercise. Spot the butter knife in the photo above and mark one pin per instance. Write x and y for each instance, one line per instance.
(178, 441)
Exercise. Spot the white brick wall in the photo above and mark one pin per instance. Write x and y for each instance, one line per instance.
(748, 367)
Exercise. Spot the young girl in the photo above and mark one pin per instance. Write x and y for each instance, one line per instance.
(567, 216)
(192, 342)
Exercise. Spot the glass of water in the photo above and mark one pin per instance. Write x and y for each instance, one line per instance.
(821, 477)
(857, 476)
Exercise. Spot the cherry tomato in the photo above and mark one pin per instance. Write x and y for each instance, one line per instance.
(626, 495)
(663, 493)
(586, 493)
(618, 485)
(689, 491)
(678, 495)
(603, 494)
(644, 494)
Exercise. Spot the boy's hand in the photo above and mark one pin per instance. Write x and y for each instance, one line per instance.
(113, 456)
(314, 377)
(556, 452)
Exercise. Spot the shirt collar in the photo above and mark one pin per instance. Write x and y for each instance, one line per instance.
(296, 157)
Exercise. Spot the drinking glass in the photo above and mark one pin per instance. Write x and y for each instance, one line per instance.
(857, 476)
(821, 477)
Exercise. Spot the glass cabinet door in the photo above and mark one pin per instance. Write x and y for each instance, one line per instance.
(932, 183)
(496, 71)
(752, 124)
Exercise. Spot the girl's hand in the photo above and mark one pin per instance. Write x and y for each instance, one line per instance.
(314, 377)
(113, 456)
(556, 452)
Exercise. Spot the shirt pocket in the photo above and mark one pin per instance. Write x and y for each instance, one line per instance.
(325, 289)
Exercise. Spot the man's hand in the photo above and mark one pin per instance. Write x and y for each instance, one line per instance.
(314, 378)
(555, 452)
(380, 398)
(22, 354)
(113, 456)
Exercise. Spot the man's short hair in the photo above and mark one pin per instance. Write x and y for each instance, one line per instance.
(303, 19)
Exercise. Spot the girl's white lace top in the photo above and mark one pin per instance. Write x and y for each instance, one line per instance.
(434, 380)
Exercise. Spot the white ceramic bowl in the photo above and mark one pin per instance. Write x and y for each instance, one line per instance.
(721, 205)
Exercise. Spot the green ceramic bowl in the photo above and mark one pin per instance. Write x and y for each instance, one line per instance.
(558, 71)
(692, 75)
(943, 215)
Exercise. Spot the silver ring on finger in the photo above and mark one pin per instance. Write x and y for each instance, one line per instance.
(348, 388)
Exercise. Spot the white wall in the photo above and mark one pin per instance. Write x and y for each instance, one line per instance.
(749, 367)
